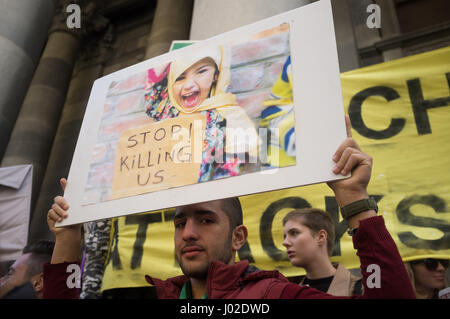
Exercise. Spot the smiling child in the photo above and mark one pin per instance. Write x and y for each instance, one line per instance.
(198, 83)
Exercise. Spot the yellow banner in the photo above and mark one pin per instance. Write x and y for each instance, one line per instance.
(400, 112)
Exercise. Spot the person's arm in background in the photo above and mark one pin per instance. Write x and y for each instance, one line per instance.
(66, 251)
(374, 244)
(96, 252)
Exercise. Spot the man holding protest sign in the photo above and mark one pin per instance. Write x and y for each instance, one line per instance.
(208, 235)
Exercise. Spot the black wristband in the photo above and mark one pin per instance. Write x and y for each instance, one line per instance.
(357, 207)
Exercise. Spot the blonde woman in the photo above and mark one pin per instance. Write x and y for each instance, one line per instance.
(427, 276)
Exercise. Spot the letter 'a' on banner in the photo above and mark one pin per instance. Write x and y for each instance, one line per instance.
(400, 112)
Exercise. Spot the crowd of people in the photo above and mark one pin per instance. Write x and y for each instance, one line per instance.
(308, 238)
(208, 235)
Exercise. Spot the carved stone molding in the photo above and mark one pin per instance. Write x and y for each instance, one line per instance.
(92, 22)
(98, 48)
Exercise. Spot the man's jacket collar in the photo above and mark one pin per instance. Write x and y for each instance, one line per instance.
(222, 280)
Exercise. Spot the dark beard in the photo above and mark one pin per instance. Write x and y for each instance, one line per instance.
(197, 274)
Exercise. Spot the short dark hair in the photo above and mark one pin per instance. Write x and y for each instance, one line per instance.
(232, 207)
(41, 252)
(315, 219)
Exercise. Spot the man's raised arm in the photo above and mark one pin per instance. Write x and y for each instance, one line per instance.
(384, 274)
(65, 253)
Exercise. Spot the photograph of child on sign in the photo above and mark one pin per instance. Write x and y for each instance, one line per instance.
(217, 112)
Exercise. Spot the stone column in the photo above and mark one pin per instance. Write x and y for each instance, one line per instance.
(212, 17)
(390, 28)
(35, 128)
(89, 68)
(23, 31)
(346, 43)
(171, 22)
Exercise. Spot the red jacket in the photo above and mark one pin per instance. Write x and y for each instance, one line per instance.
(238, 281)
(372, 241)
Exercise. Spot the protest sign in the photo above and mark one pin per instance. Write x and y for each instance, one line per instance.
(271, 97)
